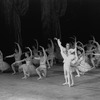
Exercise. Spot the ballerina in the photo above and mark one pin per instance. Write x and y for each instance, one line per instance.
(3, 65)
(28, 68)
(17, 57)
(51, 54)
(42, 69)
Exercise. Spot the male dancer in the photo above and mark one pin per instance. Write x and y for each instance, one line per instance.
(68, 57)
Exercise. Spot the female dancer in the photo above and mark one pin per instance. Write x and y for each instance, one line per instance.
(17, 57)
(3, 65)
(42, 69)
(50, 52)
(28, 68)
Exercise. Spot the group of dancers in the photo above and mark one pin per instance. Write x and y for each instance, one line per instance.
(76, 57)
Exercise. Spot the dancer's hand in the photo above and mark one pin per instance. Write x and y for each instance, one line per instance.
(15, 42)
(27, 47)
(59, 41)
(41, 46)
(55, 38)
(5, 57)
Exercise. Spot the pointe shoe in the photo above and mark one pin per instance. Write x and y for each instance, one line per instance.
(77, 76)
(72, 85)
(43, 75)
(65, 83)
(39, 78)
(24, 77)
(14, 73)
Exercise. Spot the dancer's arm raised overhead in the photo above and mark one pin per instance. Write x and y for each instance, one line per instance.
(59, 44)
(63, 50)
(44, 53)
(31, 55)
(52, 44)
(19, 49)
(37, 44)
(1, 54)
(20, 60)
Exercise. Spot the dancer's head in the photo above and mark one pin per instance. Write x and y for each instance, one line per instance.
(67, 46)
(41, 54)
(26, 55)
(48, 45)
(16, 51)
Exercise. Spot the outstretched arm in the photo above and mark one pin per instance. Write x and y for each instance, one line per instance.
(10, 56)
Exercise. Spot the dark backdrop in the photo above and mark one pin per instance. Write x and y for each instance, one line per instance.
(82, 19)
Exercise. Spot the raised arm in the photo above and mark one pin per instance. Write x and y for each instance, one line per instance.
(59, 44)
(37, 44)
(19, 48)
(98, 45)
(1, 53)
(62, 49)
(31, 55)
(52, 44)
(76, 49)
(44, 53)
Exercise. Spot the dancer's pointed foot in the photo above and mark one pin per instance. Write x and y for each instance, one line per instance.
(77, 76)
(65, 83)
(14, 73)
(24, 77)
(72, 85)
(39, 78)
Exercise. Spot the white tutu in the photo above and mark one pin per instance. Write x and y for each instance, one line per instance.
(84, 67)
(35, 61)
(51, 56)
(30, 69)
(4, 66)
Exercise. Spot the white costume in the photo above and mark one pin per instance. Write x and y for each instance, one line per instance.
(28, 69)
(83, 66)
(3, 65)
(68, 57)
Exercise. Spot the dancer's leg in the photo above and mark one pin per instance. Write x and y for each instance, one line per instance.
(78, 73)
(13, 68)
(51, 61)
(71, 74)
(44, 73)
(66, 78)
(38, 72)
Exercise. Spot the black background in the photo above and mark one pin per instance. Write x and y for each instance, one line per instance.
(82, 19)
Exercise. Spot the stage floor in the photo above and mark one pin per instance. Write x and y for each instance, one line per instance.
(87, 87)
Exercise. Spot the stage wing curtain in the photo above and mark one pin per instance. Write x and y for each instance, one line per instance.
(52, 10)
(20, 8)
(13, 9)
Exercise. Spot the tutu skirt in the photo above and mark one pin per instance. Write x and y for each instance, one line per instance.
(4, 66)
(84, 67)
